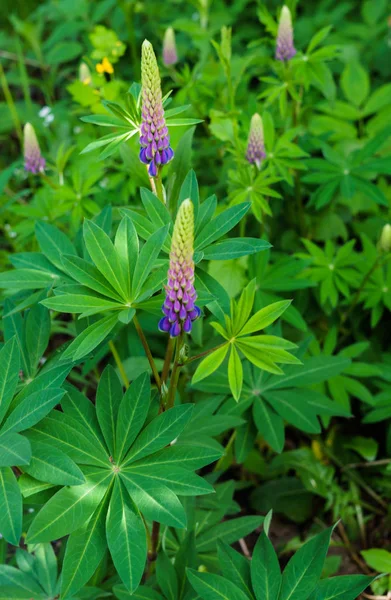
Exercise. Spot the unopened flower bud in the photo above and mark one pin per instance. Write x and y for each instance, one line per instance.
(170, 55)
(256, 144)
(285, 49)
(179, 307)
(154, 139)
(33, 159)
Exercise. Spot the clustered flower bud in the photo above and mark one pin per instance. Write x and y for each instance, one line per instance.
(170, 55)
(285, 49)
(179, 306)
(256, 143)
(154, 139)
(33, 159)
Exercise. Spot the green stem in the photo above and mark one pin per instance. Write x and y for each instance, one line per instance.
(147, 352)
(119, 364)
(10, 103)
(205, 353)
(159, 187)
(168, 358)
(356, 296)
(175, 373)
(221, 460)
(53, 185)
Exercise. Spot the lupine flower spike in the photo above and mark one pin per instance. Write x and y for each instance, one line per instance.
(285, 49)
(179, 306)
(154, 139)
(33, 159)
(256, 144)
(170, 55)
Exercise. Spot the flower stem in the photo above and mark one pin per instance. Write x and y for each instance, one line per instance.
(159, 188)
(119, 364)
(147, 352)
(175, 373)
(10, 103)
(168, 358)
(221, 460)
(205, 353)
(356, 296)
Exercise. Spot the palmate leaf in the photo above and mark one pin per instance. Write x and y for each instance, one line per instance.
(108, 400)
(345, 587)
(235, 567)
(265, 570)
(10, 507)
(14, 450)
(126, 537)
(214, 587)
(51, 465)
(9, 374)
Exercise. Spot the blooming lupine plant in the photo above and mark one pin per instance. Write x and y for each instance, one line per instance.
(256, 144)
(34, 162)
(181, 348)
(170, 55)
(154, 140)
(285, 49)
(179, 306)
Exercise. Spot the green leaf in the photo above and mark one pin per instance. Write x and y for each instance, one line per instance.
(80, 303)
(53, 243)
(26, 279)
(289, 405)
(142, 593)
(160, 432)
(235, 248)
(46, 566)
(102, 251)
(210, 364)
(378, 559)
(190, 190)
(14, 450)
(51, 465)
(32, 409)
(132, 413)
(235, 567)
(127, 248)
(303, 570)
(220, 225)
(155, 503)
(265, 317)
(9, 374)
(85, 549)
(147, 258)
(181, 481)
(90, 338)
(179, 167)
(37, 333)
(88, 275)
(166, 576)
(10, 507)
(235, 373)
(22, 584)
(126, 537)
(214, 587)
(265, 570)
(269, 424)
(69, 508)
(314, 370)
(188, 453)
(108, 400)
(347, 587)
(228, 531)
(355, 83)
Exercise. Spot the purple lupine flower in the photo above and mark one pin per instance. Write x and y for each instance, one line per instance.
(285, 49)
(154, 139)
(170, 55)
(256, 144)
(179, 307)
(33, 159)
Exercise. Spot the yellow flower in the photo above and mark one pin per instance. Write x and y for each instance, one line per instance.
(105, 67)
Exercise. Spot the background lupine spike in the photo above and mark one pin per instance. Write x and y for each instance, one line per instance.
(33, 159)
(170, 55)
(256, 143)
(285, 49)
(179, 307)
(154, 138)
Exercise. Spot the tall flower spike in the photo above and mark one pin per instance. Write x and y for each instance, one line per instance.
(170, 55)
(179, 307)
(33, 159)
(154, 139)
(256, 144)
(285, 49)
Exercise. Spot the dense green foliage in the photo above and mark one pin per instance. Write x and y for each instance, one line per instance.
(136, 464)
